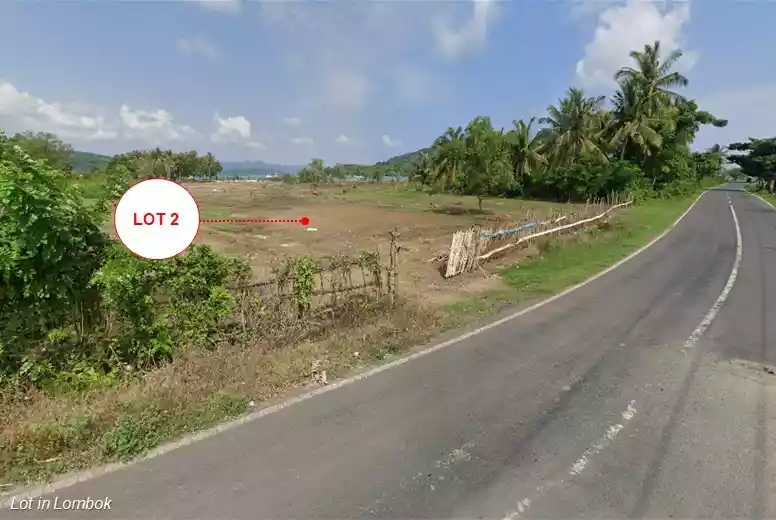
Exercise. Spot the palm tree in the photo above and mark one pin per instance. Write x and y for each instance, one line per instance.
(211, 165)
(572, 127)
(605, 127)
(634, 127)
(524, 149)
(449, 158)
(421, 169)
(654, 77)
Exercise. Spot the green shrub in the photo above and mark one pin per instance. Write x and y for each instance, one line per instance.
(50, 246)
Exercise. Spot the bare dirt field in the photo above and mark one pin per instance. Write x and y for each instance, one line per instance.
(350, 219)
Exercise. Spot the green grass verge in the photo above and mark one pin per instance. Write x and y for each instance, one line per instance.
(71, 432)
(582, 256)
(768, 197)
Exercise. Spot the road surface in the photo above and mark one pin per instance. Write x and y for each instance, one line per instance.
(617, 400)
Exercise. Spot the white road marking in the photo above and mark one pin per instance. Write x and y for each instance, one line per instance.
(71, 480)
(579, 465)
(613, 430)
(766, 201)
(607, 438)
(723, 296)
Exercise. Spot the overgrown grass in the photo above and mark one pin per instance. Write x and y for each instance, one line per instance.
(42, 434)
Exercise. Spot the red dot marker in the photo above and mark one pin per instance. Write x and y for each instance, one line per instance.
(304, 221)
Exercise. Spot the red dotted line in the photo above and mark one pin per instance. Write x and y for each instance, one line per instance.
(304, 221)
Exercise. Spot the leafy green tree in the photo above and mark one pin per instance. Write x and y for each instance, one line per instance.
(47, 147)
(488, 170)
(756, 158)
(50, 245)
(313, 173)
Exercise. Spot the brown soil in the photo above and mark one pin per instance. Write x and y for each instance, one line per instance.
(346, 222)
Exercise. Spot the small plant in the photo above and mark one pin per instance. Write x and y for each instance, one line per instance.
(305, 268)
(370, 261)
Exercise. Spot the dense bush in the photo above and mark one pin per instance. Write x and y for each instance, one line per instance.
(76, 306)
(50, 245)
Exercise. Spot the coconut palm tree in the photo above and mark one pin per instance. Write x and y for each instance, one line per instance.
(449, 158)
(654, 77)
(635, 129)
(572, 128)
(524, 149)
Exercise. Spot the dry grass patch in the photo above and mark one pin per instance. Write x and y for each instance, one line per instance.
(43, 434)
(349, 219)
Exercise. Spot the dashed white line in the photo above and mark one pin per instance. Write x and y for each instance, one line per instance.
(613, 430)
(83, 476)
(580, 464)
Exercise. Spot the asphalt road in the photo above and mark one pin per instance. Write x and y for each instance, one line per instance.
(607, 402)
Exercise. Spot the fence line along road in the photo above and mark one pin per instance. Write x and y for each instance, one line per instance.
(472, 246)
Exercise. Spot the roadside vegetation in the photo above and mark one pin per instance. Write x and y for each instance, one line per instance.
(756, 160)
(104, 355)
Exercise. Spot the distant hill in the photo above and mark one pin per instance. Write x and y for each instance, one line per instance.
(403, 160)
(86, 162)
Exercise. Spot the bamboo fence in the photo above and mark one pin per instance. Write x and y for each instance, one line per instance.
(471, 247)
(334, 283)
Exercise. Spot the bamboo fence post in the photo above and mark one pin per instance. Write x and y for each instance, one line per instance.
(393, 275)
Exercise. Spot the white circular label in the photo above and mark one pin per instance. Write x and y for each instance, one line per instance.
(156, 219)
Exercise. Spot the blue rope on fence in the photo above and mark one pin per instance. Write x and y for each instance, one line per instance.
(504, 232)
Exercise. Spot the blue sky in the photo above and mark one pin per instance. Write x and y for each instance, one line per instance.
(354, 80)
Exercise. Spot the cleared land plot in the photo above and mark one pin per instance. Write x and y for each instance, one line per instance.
(349, 219)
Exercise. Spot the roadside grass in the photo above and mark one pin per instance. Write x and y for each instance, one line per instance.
(768, 197)
(580, 256)
(43, 434)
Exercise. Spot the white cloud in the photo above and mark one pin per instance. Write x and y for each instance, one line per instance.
(343, 139)
(153, 125)
(237, 126)
(222, 6)
(387, 141)
(197, 45)
(469, 37)
(81, 124)
(235, 130)
(21, 111)
(624, 28)
(292, 121)
(303, 141)
(750, 112)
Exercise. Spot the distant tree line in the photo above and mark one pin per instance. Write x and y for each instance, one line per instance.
(166, 164)
(640, 143)
(317, 173)
(140, 164)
